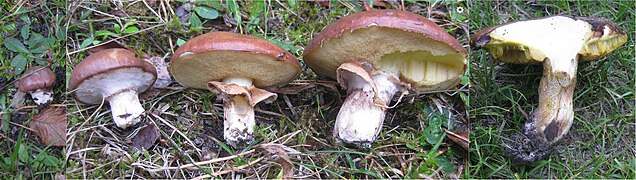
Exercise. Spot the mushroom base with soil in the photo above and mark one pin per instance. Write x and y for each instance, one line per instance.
(239, 98)
(42, 96)
(362, 114)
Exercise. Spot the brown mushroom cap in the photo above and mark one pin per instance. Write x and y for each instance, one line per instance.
(602, 36)
(217, 55)
(110, 64)
(37, 77)
(384, 38)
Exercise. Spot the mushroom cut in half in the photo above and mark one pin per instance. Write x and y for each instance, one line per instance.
(37, 81)
(235, 67)
(559, 43)
(117, 76)
(374, 54)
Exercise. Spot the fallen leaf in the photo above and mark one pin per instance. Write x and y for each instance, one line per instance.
(460, 137)
(281, 151)
(50, 125)
(18, 100)
(146, 137)
(163, 76)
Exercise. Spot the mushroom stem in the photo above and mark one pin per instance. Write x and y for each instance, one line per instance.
(362, 114)
(239, 98)
(42, 96)
(125, 108)
(553, 117)
(555, 112)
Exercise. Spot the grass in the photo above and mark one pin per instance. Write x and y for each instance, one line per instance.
(600, 143)
(31, 34)
(189, 121)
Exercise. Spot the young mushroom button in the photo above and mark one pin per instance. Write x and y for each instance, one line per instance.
(38, 81)
(117, 76)
(374, 54)
(234, 67)
(558, 43)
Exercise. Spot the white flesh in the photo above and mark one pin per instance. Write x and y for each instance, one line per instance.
(125, 108)
(42, 96)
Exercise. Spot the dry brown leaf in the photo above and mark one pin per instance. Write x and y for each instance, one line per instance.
(50, 125)
(281, 151)
(163, 76)
(146, 137)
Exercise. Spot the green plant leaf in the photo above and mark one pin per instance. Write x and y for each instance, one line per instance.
(446, 164)
(105, 34)
(87, 42)
(15, 45)
(117, 28)
(180, 42)
(18, 63)
(23, 154)
(206, 12)
(131, 29)
(194, 21)
(292, 3)
(25, 31)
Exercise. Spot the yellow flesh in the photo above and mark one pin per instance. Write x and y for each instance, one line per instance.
(422, 67)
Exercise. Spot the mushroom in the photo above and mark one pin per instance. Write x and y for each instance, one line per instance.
(234, 67)
(374, 54)
(38, 81)
(117, 76)
(557, 42)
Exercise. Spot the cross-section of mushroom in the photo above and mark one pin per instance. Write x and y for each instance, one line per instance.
(376, 53)
(38, 81)
(117, 76)
(235, 67)
(559, 43)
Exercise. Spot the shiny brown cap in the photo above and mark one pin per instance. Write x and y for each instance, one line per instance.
(36, 77)
(103, 64)
(217, 55)
(397, 19)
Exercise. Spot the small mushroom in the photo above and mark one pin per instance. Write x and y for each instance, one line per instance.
(557, 42)
(117, 76)
(374, 54)
(38, 81)
(235, 67)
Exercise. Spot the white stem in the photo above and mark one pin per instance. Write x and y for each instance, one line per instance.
(42, 96)
(245, 82)
(239, 121)
(125, 108)
(238, 125)
(360, 119)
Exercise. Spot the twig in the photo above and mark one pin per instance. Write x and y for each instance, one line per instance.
(230, 169)
(203, 162)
